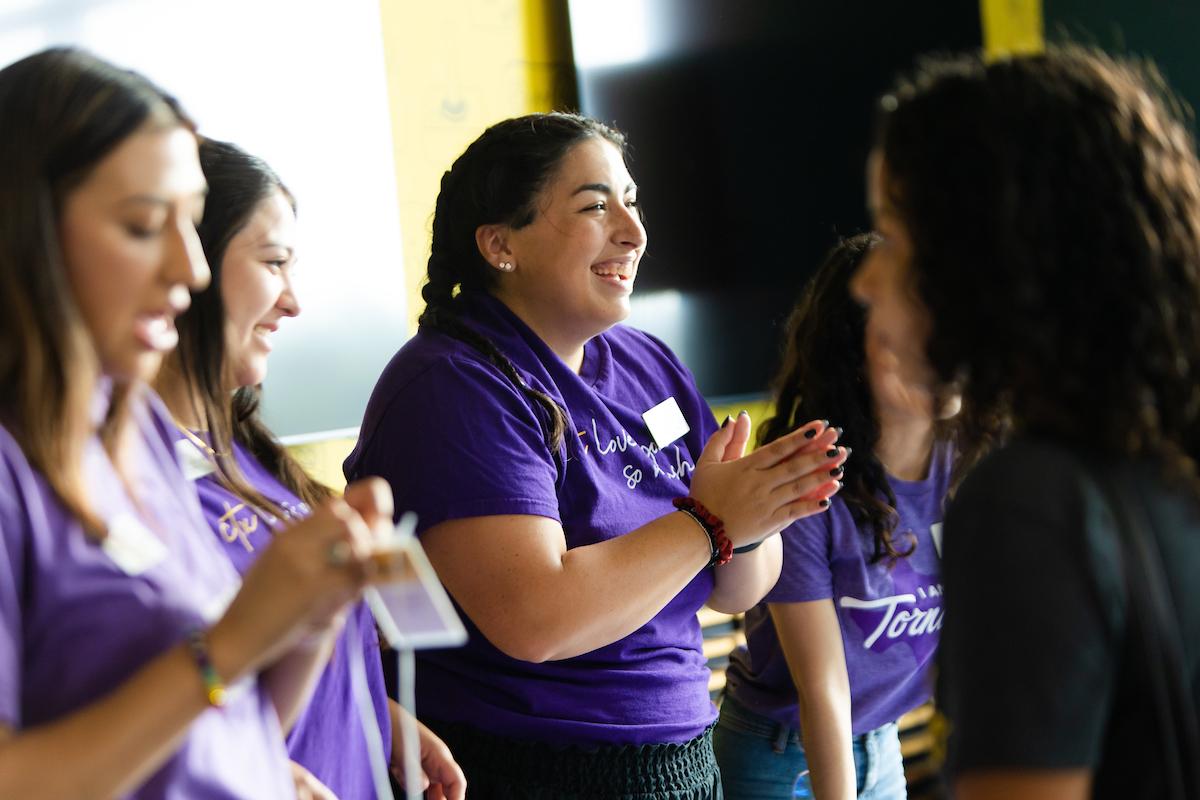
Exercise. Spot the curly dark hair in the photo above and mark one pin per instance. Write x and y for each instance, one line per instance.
(824, 373)
(1053, 204)
(496, 180)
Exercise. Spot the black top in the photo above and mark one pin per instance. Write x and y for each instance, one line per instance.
(1035, 671)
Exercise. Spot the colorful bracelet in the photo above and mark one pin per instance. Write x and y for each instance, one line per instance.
(214, 689)
(722, 548)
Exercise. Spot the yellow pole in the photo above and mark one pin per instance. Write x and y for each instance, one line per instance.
(1012, 28)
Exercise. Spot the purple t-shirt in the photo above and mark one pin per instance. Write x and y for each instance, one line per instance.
(456, 439)
(889, 616)
(327, 738)
(78, 618)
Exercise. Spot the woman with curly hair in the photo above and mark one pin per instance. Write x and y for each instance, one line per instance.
(1040, 226)
(844, 643)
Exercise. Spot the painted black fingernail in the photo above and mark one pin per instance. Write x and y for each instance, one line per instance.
(810, 433)
(728, 419)
(839, 432)
(743, 413)
(849, 450)
(836, 472)
(824, 504)
(831, 453)
(825, 422)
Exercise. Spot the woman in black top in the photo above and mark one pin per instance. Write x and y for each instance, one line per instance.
(1040, 224)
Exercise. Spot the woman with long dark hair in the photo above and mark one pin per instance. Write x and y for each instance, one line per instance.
(249, 485)
(545, 448)
(844, 644)
(131, 661)
(1041, 227)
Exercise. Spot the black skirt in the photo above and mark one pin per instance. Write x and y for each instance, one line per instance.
(498, 768)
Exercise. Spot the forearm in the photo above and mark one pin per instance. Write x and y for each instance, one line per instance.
(828, 743)
(290, 681)
(746, 579)
(112, 745)
(811, 638)
(603, 592)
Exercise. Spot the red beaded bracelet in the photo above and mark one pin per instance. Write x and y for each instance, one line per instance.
(722, 548)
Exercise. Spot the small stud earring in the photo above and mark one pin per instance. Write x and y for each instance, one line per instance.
(505, 266)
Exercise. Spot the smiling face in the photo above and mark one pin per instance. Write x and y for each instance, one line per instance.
(256, 287)
(128, 236)
(576, 262)
(898, 325)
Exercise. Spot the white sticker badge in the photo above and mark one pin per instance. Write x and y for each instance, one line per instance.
(193, 462)
(666, 422)
(131, 545)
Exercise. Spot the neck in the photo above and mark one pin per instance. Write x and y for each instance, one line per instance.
(568, 347)
(905, 446)
(181, 399)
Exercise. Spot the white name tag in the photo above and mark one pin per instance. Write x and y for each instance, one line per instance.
(215, 609)
(666, 422)
(194, 463)
(132, 546)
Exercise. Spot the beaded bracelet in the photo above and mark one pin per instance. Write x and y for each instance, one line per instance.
(722, 548)
(214, 689)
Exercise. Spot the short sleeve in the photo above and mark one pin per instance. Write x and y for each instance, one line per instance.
(1027, 649)
(12, 580)
(460, 440)
(806, 574)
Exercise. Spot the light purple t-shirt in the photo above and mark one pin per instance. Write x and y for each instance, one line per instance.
(327, 738)
(889, 616)
(456, 439)
(78, 618)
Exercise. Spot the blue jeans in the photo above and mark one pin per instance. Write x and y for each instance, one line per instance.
(761, 759)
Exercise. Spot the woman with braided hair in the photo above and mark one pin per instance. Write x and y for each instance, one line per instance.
(512, 423)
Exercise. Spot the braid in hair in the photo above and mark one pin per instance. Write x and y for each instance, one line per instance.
(496, 181)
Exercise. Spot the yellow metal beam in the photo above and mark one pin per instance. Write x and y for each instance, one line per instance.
(1012, 28)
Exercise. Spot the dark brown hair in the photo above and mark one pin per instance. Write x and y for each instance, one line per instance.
(824, 375)
(64, 111)
(496, 181)
(1054, 208)
(237, 183)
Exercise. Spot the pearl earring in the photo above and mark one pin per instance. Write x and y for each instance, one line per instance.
(505, 266)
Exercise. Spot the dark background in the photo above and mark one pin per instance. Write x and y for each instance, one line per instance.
(750, 128)
(749, 134)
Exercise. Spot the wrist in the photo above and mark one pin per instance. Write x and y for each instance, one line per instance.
(712, 525)
(214, 682)
(226, 652)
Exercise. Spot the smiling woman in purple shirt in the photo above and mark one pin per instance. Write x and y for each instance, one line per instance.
(131, 663)
(249, 485)
(514, 423)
